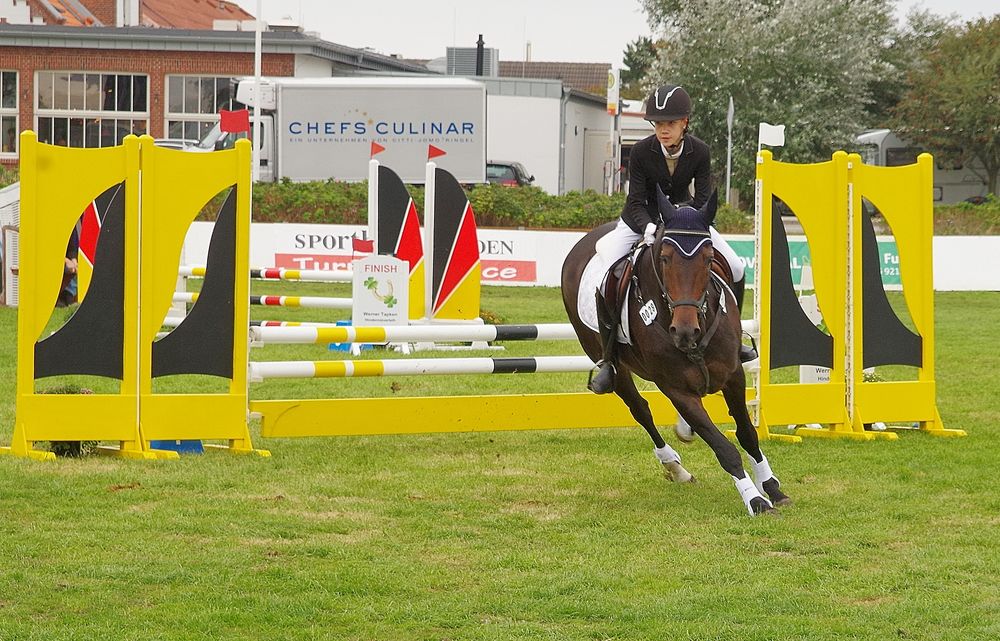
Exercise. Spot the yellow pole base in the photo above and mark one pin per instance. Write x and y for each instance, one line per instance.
(828, 433)
(136, 455)
(36, 455)
(233, 449)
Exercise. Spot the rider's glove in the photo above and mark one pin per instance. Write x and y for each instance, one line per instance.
(649, 234)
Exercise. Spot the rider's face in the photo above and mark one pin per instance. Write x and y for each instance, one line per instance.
(670, 132)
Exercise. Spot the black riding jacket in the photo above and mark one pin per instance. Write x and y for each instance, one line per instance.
(647, 167)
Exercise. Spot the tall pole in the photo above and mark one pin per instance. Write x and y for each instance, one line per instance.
(255, 154)
(614, 147)
(729, 150)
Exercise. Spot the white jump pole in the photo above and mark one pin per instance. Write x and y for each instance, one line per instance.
(373, 203)
(429, 240)
(264, 370)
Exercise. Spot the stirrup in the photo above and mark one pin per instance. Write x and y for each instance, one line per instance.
(748, 352)
(604, 382)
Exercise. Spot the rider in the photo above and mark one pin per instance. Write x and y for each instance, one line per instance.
(680, 164)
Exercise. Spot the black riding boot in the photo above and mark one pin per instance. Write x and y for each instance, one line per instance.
(604, 381)
(747, 353)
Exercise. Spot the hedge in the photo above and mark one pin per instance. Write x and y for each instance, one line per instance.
(495, 206)
(527, 207)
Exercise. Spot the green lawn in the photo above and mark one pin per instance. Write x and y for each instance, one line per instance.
(512, 535)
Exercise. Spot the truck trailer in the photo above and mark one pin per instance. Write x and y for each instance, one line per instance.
(322, 128)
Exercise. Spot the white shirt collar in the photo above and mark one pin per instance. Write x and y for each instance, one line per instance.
(673, 156)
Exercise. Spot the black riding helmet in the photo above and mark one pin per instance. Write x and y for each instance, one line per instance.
(669, 102)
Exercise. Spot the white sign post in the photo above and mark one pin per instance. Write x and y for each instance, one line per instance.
(381, 291)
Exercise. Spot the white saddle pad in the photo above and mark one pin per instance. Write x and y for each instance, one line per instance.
(586, 302)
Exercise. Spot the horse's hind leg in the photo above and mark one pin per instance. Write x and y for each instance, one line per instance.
(694, 413)
(765, 480)
(668, 457)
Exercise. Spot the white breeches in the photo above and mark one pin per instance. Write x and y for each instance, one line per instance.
(619, 240)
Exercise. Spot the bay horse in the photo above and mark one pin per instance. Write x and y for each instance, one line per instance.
(685, 331)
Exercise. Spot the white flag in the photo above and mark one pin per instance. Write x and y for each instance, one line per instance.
(773, 135)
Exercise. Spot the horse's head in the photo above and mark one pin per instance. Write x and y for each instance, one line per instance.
(684, 253)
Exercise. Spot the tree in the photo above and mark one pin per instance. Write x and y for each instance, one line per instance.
(905, 51)
(953, 106)
(808, 64)
(640, 55)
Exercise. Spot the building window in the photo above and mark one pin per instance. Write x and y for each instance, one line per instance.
(8, 112)
(79, 109)
(193, 104)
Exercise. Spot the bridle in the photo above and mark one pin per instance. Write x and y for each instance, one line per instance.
(701, 303)
(697, 353)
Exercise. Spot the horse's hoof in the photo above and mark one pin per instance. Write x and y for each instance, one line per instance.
(675, 472)
(778, 498)
(759, 506)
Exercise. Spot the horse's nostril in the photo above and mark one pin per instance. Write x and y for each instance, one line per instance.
(672, 330)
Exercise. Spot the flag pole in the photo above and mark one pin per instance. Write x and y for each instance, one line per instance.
(729, 150)
(255, 147)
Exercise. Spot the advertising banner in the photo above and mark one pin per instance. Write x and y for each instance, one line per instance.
(522, 257)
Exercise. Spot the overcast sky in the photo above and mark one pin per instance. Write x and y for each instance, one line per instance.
(558, 30)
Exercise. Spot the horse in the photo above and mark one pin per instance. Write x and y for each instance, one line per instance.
(685, 332)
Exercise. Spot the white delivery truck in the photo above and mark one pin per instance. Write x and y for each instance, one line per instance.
(952, 183)
(320, 128)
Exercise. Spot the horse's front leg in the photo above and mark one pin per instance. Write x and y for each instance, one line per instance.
(735, 394)
(668, 457)
(689, 405)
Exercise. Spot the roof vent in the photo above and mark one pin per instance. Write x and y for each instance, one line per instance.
(461, 61)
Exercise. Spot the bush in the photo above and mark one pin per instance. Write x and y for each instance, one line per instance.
(335, 202)
(8, 176)
(967, 219)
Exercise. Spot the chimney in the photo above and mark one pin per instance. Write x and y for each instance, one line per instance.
(479, 55)
(127, 13)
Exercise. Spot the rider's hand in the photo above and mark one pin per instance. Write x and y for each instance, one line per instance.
(649, 234)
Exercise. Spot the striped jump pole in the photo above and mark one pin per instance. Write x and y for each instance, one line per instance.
(317, 302)
(264, 370)
(411, 333)
(280, 273)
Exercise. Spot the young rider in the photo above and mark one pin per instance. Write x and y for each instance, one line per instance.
(681, 165)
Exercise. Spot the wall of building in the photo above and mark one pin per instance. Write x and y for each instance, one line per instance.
(312, 67)
(586, 147)
(525, 129)
(156, 64)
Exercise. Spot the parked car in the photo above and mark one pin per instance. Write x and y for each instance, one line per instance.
(509, 173)
(175, 143)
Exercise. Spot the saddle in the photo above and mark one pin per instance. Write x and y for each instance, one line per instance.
(721, 267)
(615, 284)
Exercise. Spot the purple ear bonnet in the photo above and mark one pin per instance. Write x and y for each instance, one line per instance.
(687, 230)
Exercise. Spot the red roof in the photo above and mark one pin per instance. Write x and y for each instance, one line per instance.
(591, 77)
(189, 14)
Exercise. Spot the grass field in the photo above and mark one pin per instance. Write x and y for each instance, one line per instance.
(531, 535)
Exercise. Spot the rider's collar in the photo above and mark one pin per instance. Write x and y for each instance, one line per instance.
(675, 155)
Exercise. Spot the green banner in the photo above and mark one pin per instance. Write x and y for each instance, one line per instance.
(798, 256)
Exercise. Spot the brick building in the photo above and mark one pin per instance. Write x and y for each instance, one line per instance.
(85, 73)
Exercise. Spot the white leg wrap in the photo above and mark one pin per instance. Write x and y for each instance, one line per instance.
(748, 491)
(761, 472)
(667, 454)
(683, 429)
